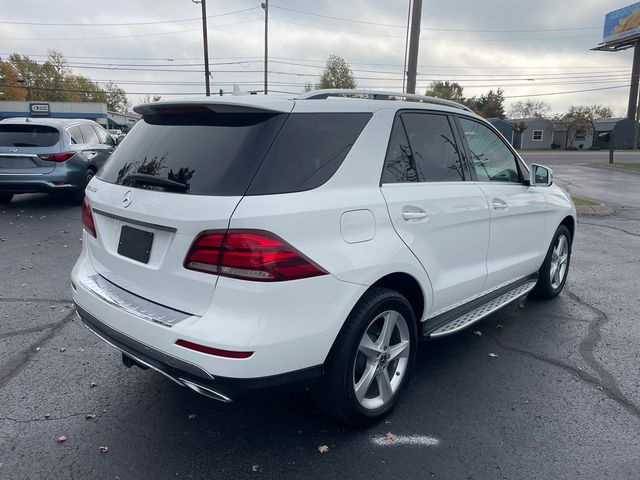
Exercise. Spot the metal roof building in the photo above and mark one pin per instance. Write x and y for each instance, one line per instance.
(89, 110)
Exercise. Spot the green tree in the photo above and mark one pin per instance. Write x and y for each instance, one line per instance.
(337, 74)
(117, 99)
(529, 108)
(447, 90)
(488, 105)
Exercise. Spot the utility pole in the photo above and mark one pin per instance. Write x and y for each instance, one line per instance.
(406, 47)
(265, 7)
(207, 74)
(414, 41)
(635, 80)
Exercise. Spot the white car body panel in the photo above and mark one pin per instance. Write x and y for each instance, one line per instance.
(350, 226)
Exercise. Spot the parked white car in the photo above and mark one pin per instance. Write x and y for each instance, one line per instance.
(241, 243)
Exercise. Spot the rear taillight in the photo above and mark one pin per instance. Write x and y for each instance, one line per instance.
(87, 219)
(212, 351)
(250, 255)
(56, 157)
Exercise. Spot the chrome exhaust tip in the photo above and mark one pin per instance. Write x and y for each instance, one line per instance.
(206, 391)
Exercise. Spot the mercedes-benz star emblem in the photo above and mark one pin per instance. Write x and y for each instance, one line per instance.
(126, 200)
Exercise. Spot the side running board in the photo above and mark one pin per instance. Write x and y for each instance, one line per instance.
(478, 312)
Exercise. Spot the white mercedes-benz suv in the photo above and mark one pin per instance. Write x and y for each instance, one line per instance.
(237, 244)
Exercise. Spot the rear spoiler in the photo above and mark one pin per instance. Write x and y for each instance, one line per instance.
(240, 104)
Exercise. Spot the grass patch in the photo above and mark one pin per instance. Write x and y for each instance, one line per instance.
(578, 201)
(629, 165)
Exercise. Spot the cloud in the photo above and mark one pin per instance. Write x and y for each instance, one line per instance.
(463, 40)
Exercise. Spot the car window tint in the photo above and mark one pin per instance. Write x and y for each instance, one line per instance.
(212, 153)
(105, 138)
(24, 135)
(424, 150)
(399, 164)
(89, 134)
(492, 159)
(76, 135)
(307, 152)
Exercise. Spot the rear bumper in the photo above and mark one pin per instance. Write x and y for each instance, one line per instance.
(289, 326)
(73, 177)
(192, 376)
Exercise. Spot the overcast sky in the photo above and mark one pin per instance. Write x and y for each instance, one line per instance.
(524, 47)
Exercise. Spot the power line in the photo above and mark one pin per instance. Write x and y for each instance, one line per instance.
(120, 24)
(173, 32)
(350, 20)
(566, 93)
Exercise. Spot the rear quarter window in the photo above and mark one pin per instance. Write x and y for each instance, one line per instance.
(28, 135)
(308, 151)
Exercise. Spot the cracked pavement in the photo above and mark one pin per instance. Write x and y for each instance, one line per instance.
(560, 400)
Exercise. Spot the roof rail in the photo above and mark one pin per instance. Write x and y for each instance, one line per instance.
(379, 95)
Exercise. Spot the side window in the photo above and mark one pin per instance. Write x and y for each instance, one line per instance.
(104, 136)
(89, 134)
(492, 159)
(399, 166)
(76, 136)
(423, 149)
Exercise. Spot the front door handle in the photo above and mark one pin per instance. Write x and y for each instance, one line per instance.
(413, 214)
(499, 204)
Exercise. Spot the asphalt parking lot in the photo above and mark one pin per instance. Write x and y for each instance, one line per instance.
(560, 400)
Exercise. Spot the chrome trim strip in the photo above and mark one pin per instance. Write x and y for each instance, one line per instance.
(135, 222)
(25, 174)
(483, 311)
(133, 304)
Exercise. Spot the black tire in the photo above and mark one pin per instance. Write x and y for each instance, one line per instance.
(77, 197)
(5, 198)
(545, 287)
(335, 393)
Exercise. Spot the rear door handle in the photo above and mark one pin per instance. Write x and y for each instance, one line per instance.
(499, 204)
(413, 214)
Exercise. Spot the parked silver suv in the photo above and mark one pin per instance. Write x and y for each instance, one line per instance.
(50, 156)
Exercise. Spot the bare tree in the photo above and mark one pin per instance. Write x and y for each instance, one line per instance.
(529, 108)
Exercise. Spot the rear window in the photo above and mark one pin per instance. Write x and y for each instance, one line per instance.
(28, 135)
(308, 151)
(213, 153)
(219, 154)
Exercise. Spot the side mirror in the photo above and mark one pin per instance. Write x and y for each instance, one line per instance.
(541, 176)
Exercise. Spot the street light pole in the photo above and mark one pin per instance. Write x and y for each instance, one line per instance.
(207, 74)
(265, 7)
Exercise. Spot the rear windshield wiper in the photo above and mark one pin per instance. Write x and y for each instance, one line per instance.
(152, 180)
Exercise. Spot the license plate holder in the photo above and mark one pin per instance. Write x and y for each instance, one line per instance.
(135, 244)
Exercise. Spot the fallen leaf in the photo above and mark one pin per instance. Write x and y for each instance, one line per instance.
(37, 349)
(81, 349)
(104, 449)
(47, 415)
(600, 388)
(493, 355)
(93, 384)
(255, 468)
(323, 449)
(61, 439)
(499, 326)
(477, 333)
(390, 437)
(63, 349)
(90, 416)
(191, 416)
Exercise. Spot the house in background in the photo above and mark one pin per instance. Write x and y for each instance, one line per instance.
(537, 136)
(504, 127)
(568, 136)
(623, 131)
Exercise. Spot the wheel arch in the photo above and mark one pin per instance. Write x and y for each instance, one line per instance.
(408, 286)
(570, 223)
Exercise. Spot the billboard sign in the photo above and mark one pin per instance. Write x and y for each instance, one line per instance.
(622, 24)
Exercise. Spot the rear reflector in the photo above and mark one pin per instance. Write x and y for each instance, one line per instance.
(87, 219)
(57, 157)
(250, 255)
(212, 351)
